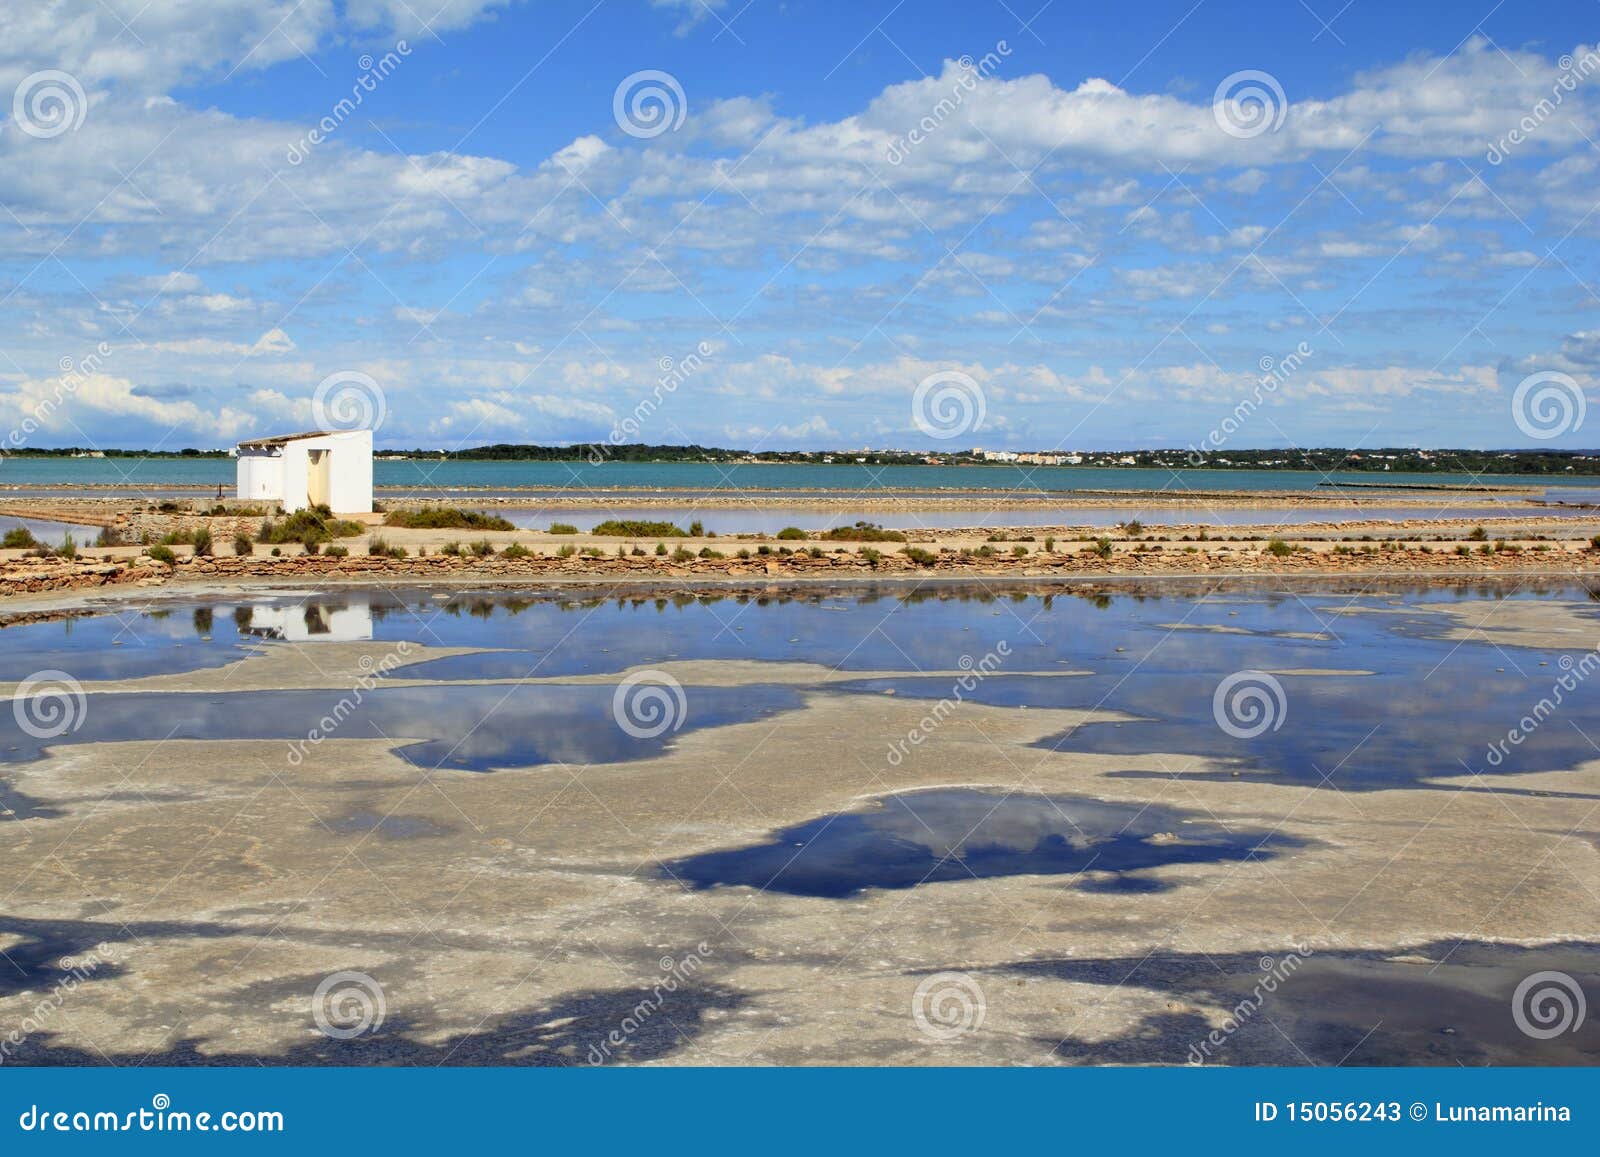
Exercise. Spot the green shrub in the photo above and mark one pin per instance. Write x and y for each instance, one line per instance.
(563, 528)
(1132, 528)
(242, 545)
(445, 518)
(1478, 534)
(19, 538)
(379, 547)
(869, 556)
(1049, 544)
(163, 554)
(919, 556)
(483, 548)
(567, 551)
(791, 532)
(109, 536)
(1278, 548)
(1103, 547)
(1019, 551)
(302, 524)
(310, 544)
(202, 542)
(707, 552)
(862, 532)
(682, 554)
(661, 548)
(516, 550)
(451, 548)
(68, 548)
(696, 529)
(638, 528)
(337, 552)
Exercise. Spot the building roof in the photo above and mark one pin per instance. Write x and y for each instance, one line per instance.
(281, 439)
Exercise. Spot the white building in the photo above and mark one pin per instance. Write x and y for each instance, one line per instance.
(301, 470)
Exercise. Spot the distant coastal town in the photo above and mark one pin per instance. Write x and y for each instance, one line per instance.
(1405, 460)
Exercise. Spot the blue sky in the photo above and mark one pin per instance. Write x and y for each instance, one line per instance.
(922, 225)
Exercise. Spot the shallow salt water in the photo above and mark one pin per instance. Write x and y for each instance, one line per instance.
(953, 834)
(1356, 701)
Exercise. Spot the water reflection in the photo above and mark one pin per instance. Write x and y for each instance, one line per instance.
(949, 834)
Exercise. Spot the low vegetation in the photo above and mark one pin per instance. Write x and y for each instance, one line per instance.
(19, 538)
(317, 525)
(639, 528)
(445, 518)
(563, 528)
(861, 532)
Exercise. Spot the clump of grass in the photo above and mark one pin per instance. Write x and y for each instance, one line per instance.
(1478, 534)
(707, 552)
(163, 554)
(19, 538)
(302, 524)
(567, 551)
(696, 529)
(919, 556)
(1049, 544)
(68, 548)
(639, 528)
(337, 552)
(862, 532)
(869, 556)
(1019, 551)
(451, 548)
(682, 554)
(1103, 547)
(1278, 548)
(791, 532)
(483, 548)
(445, 518)
(201, 541)
(1133, 528)
(109, 536)
(516, 550)
(243, 545)
(563, 528)
(661, 549)
(311, 545)
(379, 547)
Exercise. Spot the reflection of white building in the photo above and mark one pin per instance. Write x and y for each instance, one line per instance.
(332, 468)
(312, 622)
